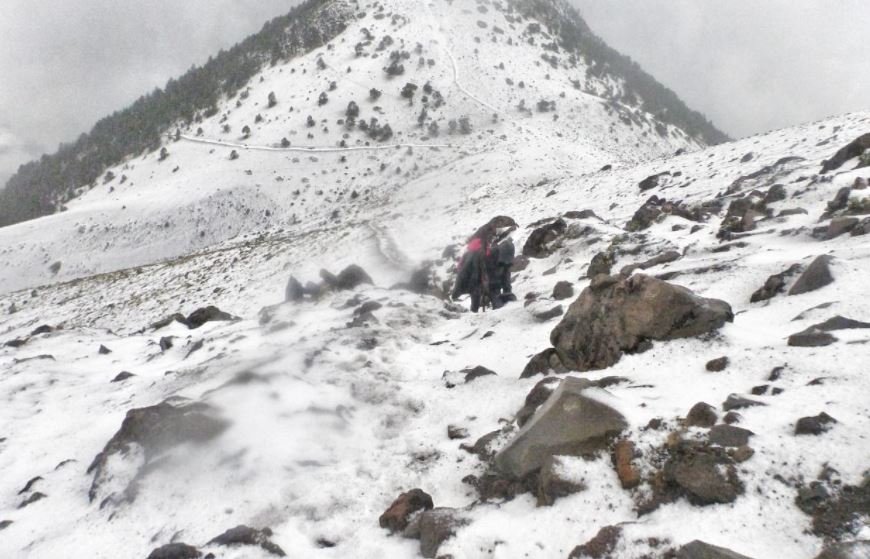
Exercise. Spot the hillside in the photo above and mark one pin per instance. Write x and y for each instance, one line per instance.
(691, 320)
(45, 186)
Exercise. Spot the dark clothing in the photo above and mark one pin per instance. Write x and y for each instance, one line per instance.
(485, 269)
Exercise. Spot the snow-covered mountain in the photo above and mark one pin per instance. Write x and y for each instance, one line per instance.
(310, 417)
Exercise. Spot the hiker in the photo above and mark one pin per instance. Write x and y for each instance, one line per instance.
(502, 259)
(472, 276)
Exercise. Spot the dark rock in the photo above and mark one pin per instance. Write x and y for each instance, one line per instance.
(477, 372)
(775, 374)
(294, 291)
(454, 432)
(544, 316)
(543, 363)
(792, 211)
(122, 376)
(245, 535)
(553, 484)
(175, 551)
(811, 338)
(397, 517)
(700, 550)
(853, 149)
(839, 226)
(434, 527)
(601, 264)
(705, 475)
(701, 415)
(622, 457)
(34, 497)
(735, 402)
(538, 243)
(5, 524)
(599, 547)
(208, 314)
(847, 550)
(536, 397)
(352, 277)
(814, 425)
(29, 485)
(568, 423)
(563, 290)
(482, 447)
(104, 350)
(155, 429)
(816, 276)
(759, 390)
(16, 343)
(839, 202)
(840, 323)
(162, 323)
(732, 417)
(664, 258)
(582, 214)
(776, 193)
(166, 343)
(728, 435)
(652, 181)
(44, 329)
(618, 316)
(837, 514)
(775, 284)
(717, 365)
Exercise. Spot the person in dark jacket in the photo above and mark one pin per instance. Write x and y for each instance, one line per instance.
(500, 263)
(472, 271)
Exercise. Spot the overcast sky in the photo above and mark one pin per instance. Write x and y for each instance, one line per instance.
(749, 65)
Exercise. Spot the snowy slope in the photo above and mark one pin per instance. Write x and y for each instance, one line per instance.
(328, 422)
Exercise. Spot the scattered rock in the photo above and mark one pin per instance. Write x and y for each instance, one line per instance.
(853, 149)
(543, 363)
(122, 376)
(294, 291)
(706, 475)
(775, 284)
(701, 415)
(811, 338)
(616, 316)
(717, 365)
(104, 350)
(538, 245)
(175, 551)
(814, 425)
(848, 550)
(166, 343)
(599, 547)
(5, 524)
(245, 535)
(664, 258)
(601, 264)
(554, 483)
(44, 329)
(735, 402)
(454, 432)
(535, 398)
(700, 550)
(352, 277)
(34, 497)
(544, 316)
(728, 435)
(434, 527)
(731, 418)
(839, 226)
(816, 276)
(569, 423)
(652, 181)
(397, 517)
(623, 455)
(477, 372)
(563, 290)
(208, 314)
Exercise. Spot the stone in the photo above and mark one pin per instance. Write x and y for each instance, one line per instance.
(705, 475)
(434, 527)
(840, 226)
(840, 201)
(166, 343)
(701, 550)
(563, 290)
(623, 455)
(847, 550)
(122, 376)
(717, 365)
(5, 524)
(482, 447)
(814, 425)
(664, 258)
(553, 483)
(476, 373)
(245, 535)
(352, 277)
(536, 397)
(601, 264)
(853, 149)
(599, 547)
(397, 517)
(569, 423)
(775, 284)
(156, 429)
(208, 314)
(816, 276)
(729, 435)
(652, 181)
(538, 245)
(549, 314)
(543, 363)
(454, 432)
(731, 418)
(104, 350)
(621, 315)
(811, 338)
(175, 551)
(294, 292)
(34, 497)
(735, 402)
(702, 414)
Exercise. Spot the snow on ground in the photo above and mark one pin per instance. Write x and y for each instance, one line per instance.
(328, 423)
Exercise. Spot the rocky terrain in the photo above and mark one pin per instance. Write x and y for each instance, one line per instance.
(235, 347)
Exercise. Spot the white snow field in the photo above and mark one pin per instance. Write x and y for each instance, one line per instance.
(327, 422)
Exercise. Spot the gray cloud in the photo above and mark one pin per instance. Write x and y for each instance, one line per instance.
(67, 63)
(749, 66)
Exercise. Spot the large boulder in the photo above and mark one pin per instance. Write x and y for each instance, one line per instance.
(701, 550)
(816, 276)
(570, 423)
(620, 315)
(853, 149)
(155, 429)
(539, 242)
